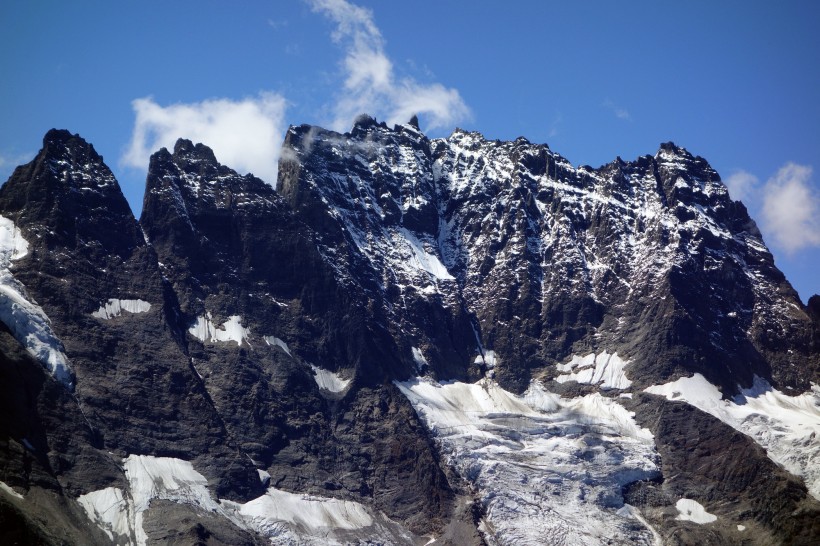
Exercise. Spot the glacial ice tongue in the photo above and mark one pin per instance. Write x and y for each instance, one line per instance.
(547, 469)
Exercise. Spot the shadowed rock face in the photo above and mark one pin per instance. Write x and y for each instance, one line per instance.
(257, 333)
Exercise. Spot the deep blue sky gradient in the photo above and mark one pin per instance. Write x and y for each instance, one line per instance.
(737, 82)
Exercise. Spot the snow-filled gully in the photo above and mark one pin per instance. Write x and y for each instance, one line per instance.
(548, 470)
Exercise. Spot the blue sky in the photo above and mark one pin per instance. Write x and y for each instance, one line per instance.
(736, 82)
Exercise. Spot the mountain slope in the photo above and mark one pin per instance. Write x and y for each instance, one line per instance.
(459, 339)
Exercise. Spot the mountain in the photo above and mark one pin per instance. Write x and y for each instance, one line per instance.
(407, 341)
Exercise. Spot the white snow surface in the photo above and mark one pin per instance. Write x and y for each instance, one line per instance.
(690, 510)
(282, 517)
(418, 358)
(164, 478)
(421, 259)
(13, 245)
(204, 329)
(114, 308)
(787, 427)
(548, 470)
(275, 341)
(328, 380)
(111, 511)
(604, 369)
(5, 487)
(24, 317)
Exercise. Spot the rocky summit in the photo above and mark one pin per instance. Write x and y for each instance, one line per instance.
(405, 341)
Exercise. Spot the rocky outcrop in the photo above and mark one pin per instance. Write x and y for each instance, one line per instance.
(244, 356)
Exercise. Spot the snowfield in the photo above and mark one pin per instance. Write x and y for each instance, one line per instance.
(281, 516)
(787, 427)
(548, 470)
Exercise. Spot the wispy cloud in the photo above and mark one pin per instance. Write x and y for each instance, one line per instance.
(370, 84)
(743, 186)
(791, 209)
(617, 111)
(245, 134)
(10, 160)
(555, 125)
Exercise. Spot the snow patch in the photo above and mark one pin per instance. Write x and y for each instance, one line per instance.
(316, 515)
(5, 487)
(164, 478)
(27, 321)
(13, 245)
(689, 510)
(283, 517)
(418, 358)
(231, 330)
(328, 380)
(547, 469)
(787, 427)
(421, 259)
(110, 510)
(275, 341)
(604, 369)
(264, 476)
(114, 308)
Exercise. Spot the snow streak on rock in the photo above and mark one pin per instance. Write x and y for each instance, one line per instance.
(27, 320)
(275, 341)
(547, 469)
(204, 329)
(787, 427)
(115, 307)
(604, 369)
(4, 487)
(328, 380)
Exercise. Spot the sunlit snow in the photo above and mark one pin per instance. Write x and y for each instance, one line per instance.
(418, 358)
(787, 427)
(689, 510)
(282, 517)
(114, 308)
(231, 330)
(547, 469)
(328, 380)
(27, 321)
(110, 510)
(604, 369)
(421, 259)
(276, 342)
(164, 478)
(5, 487)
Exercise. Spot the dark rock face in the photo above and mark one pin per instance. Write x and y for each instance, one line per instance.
(256, 333)
(541, 259)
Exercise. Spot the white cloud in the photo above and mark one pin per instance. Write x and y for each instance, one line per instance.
(370, 83)
(743, 186)
(9, 161)
(245, 135)
(791, 209)
(617, 111)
